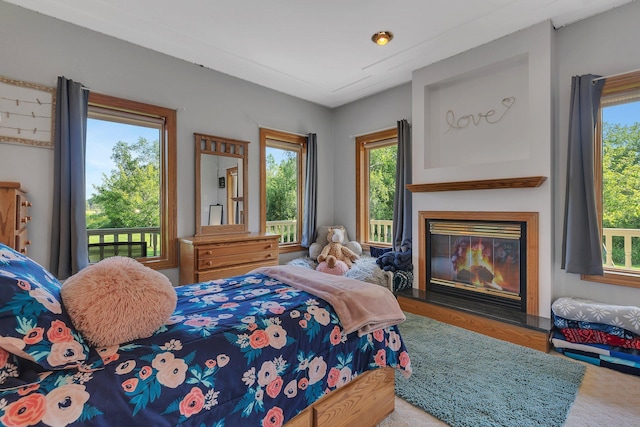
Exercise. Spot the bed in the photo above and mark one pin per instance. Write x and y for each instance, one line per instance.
(250, 350)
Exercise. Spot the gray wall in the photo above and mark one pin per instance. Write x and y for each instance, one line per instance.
(605, 44)
(367, 115)
(38, 49)
(374, 113)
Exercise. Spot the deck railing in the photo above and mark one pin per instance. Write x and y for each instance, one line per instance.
(381, 231)
(131, 242)
(627, 234)
(288, 230)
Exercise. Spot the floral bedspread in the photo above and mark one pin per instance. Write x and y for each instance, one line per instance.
(244, 351)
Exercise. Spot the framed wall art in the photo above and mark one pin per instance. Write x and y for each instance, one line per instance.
(27, 112)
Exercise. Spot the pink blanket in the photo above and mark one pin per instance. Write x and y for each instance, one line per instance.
(361, 306)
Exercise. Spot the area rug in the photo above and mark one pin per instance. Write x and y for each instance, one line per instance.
(470, 380)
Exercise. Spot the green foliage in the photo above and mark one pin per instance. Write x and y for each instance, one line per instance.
(282, 185)
(382, 181)
(621, 176)
(130, 196)
(621, 184)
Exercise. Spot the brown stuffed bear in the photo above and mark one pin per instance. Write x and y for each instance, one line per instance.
(334, 248)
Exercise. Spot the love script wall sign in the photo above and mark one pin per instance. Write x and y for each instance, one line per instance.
(481, 117)
(489, 117)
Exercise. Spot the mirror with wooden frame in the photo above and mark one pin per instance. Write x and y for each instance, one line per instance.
(221, 185)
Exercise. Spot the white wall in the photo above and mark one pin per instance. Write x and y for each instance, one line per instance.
(38, 49)
(605, 44)
(512, 73)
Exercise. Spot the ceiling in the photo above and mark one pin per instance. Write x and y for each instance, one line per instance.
(318, 50)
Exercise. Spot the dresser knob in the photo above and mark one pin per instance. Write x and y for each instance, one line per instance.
(23, 250)
(209, 263)
(208, 252)
(26, 204)
(24, 219)
(27, 243)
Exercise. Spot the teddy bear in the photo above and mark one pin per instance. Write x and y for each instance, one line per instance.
(335, 249)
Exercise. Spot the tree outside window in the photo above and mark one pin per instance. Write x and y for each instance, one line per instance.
(617, 176)
(283, 157)
(376, 158)
(130, 175)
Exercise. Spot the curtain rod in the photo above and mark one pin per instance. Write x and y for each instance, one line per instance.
(285, 131)
(616, 75)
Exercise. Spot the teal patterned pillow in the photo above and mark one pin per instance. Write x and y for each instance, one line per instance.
(33, 322)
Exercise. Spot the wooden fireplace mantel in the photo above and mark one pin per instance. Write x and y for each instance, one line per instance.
(482, 184)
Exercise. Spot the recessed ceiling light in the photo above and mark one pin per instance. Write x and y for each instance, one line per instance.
(382, 37)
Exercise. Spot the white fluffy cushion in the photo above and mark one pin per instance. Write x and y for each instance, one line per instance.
(118, 300)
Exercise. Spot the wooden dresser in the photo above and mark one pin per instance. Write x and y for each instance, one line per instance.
(14, 216)
(205, 258)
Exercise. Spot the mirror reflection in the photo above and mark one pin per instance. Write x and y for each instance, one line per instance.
(222, 198)
(221, 184)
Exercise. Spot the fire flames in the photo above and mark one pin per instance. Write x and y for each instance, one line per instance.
(488, 263)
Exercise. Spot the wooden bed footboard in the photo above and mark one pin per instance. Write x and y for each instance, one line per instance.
(365, 402)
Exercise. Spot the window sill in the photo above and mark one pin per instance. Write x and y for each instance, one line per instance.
(619, 278)
(367, 245)
(289, 247)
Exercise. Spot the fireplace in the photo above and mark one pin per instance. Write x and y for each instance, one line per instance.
(487, 257)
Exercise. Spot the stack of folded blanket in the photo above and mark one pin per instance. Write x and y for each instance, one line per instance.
(601, 334)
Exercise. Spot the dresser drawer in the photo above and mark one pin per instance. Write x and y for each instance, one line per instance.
(225, 272)
(236, 253)
(14, 216)
(22, 242)
(204, 258)
(22, 211)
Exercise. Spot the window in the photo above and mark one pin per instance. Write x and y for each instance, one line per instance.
(282, 171)
(617, 176)
(130, 174)
(376, 158)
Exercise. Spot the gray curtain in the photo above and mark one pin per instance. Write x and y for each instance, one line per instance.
(581, 246)
(402, 198)
(69, 252)
(310, 192)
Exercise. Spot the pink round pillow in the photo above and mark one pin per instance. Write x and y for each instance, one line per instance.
(338, 269)
(118, 300)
